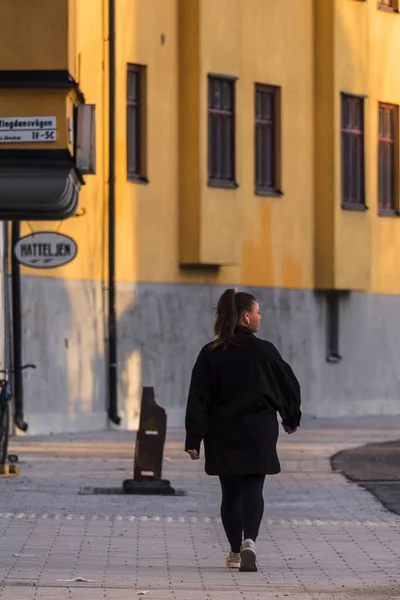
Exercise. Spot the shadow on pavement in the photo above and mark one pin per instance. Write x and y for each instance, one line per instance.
(376, 467)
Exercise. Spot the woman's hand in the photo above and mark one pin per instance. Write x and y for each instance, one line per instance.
(194, 455)
(289, 430)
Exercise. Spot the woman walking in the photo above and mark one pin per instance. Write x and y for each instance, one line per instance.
(239, 383)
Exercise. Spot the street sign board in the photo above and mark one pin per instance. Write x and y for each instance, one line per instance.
(27, 129)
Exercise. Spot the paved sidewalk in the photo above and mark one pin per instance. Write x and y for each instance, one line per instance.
(321, 538)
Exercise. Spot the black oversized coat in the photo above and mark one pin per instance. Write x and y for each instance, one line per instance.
(234, 397)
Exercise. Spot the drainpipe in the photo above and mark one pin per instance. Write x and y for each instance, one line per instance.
(6, 316)
(17, 333)
(112, 321)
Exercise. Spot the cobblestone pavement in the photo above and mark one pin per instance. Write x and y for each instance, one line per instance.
(321, 538)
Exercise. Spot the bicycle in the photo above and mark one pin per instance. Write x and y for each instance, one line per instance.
(5, 398)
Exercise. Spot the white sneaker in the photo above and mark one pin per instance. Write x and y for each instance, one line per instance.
(248, 556)
(233, 560)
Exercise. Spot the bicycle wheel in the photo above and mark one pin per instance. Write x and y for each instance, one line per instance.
(4, 431)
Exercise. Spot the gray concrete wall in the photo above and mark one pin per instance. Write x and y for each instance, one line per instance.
(63, 334)
(161, 328)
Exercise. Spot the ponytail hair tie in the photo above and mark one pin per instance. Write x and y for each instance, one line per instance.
(235, 291)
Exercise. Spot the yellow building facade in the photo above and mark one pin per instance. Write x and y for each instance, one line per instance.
(212, 195)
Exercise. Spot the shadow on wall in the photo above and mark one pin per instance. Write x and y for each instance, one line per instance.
(161, 328)
(62, 328)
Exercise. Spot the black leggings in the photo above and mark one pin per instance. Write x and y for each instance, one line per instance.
(242, 507)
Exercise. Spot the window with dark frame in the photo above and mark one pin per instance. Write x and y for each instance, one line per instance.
(353, 187)
(391, 5)
(221, 131)
(135, 123)
(267, 158)
(388, 161)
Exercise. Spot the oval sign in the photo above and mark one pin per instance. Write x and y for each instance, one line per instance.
(45, 250)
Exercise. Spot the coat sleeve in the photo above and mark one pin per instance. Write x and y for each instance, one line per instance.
(197, 409)
(289, 390)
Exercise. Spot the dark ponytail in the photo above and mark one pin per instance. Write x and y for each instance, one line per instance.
(231, 305)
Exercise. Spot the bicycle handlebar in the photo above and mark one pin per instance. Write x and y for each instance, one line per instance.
(9, 371)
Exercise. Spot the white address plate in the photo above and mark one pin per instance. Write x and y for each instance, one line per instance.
(27, 129)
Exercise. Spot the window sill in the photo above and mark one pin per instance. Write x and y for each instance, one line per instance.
(356, 207)
(216, 183)
(138, 179)
(386, 212)
(272, 193)
(388, 9)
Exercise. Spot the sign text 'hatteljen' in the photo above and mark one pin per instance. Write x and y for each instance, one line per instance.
(45, 250)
